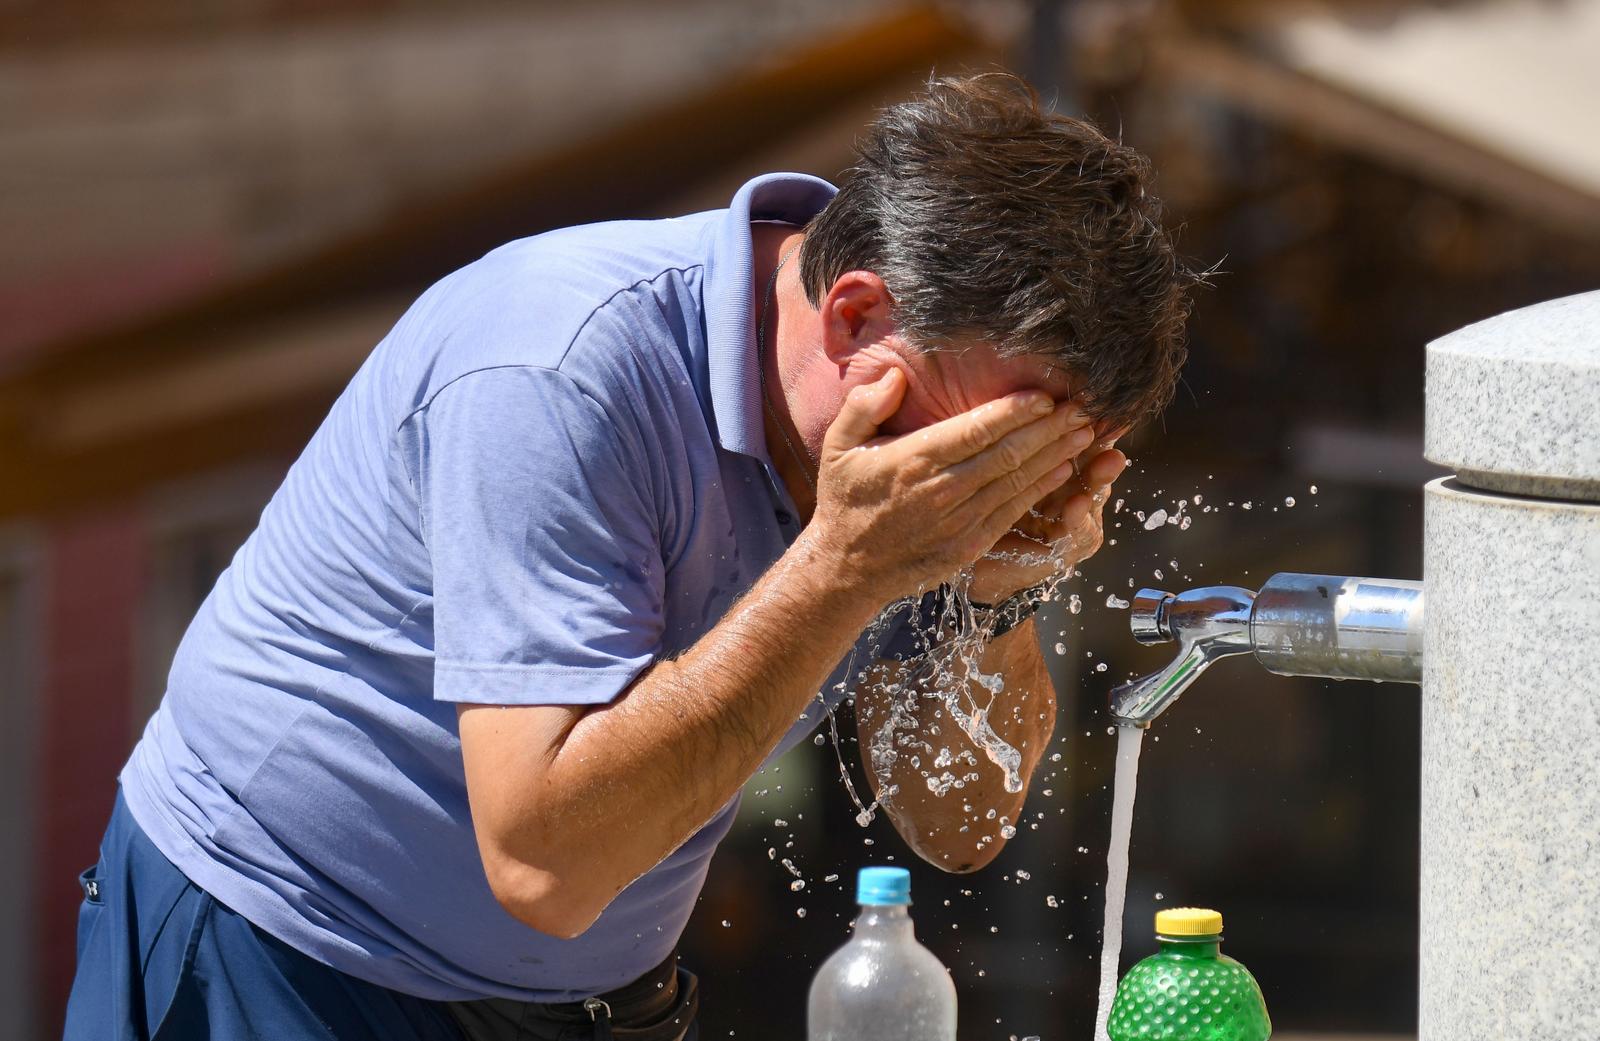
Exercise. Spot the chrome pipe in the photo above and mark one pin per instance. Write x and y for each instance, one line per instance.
(1339, 628)
(1297, 625)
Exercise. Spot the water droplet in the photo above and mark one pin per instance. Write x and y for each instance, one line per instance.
(799, 912)
(1061, 648)
(1116, 602)
(1007, 831)
(1155, 520)
(1052, 901)
(1074, 603)
(1313, 489)
(797, 885)
(726, 924)
(820, 740)
(1288, 500)
(1100, 667)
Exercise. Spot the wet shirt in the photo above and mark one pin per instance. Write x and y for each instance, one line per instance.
(550, 473)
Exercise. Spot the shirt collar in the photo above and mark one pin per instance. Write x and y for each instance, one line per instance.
(732, 362)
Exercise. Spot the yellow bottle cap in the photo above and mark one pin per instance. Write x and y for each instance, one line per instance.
(1188, 921)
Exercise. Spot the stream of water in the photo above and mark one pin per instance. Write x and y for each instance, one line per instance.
(1129, 740)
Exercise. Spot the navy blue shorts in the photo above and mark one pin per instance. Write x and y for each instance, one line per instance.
(159, 959)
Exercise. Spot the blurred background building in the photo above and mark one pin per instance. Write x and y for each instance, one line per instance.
(210, 213)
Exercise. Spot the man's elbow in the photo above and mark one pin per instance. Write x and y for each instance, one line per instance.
(958, 852)
(542, 899)
(958, 862)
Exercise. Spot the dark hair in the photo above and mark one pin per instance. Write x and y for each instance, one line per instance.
(989, 217)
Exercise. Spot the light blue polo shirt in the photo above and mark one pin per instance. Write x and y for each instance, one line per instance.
(551, 473)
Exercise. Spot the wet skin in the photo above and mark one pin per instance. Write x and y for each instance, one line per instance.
(959, 379)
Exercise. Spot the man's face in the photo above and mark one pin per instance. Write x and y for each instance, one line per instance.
(957, 379)
(859, 342)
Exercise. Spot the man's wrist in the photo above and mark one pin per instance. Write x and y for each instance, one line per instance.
(831, 585)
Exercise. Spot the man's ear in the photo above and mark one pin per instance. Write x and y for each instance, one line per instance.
(856, 313)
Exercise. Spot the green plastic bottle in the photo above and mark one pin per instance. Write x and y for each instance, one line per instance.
(1189, 990)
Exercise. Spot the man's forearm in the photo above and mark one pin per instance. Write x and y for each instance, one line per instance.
(958, 828)
(632, 780)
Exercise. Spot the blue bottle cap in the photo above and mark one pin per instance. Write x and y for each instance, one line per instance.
(884, 886)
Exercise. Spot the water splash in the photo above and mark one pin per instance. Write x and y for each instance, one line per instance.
(981, 732)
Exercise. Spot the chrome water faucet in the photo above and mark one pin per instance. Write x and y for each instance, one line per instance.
(1297, 625)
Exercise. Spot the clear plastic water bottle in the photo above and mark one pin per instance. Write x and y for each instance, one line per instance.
(882, 985)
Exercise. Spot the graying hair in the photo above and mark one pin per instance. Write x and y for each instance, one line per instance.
(990, 218)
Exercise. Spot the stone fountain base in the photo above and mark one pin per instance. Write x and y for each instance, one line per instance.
(1510, 899)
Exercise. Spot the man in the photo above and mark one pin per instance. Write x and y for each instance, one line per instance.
(448, 748)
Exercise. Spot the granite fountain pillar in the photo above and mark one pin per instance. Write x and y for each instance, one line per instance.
(1510, 856)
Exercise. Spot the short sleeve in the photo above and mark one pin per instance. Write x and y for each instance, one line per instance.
(547, 568)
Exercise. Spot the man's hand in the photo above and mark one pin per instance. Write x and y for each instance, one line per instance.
(1063, 529)
(905, 513)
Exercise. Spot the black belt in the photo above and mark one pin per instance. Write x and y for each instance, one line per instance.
(658, 1006)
